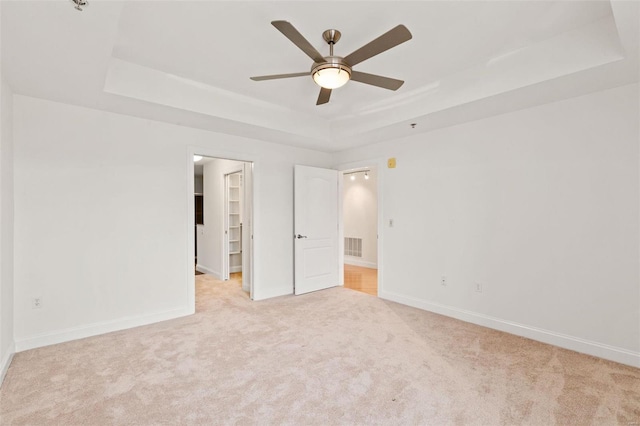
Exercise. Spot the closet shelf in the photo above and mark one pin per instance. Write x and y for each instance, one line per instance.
(233, 209)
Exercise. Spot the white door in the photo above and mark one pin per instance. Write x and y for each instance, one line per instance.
(316, 229)
(225, 240)
(247, 230)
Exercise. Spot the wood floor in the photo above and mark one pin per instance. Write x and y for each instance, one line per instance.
(355, 277)
(361, 279)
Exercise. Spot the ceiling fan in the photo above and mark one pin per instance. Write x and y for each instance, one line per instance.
(331, 72)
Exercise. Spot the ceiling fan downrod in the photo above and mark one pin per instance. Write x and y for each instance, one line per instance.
(331, 37)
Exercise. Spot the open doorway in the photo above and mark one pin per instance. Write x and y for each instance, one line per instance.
(360, 228)
(223, 219)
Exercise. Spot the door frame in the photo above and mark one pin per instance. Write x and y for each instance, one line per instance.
(379, 164)
(249, 254)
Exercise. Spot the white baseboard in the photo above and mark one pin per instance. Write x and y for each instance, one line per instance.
(6, 361)
(200, 268)
(358, 262)
(612, 353)
(233, 269)
(95, 329)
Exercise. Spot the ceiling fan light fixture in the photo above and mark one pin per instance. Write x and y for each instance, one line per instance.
(331, 75)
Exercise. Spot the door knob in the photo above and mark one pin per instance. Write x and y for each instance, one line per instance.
(300, 236)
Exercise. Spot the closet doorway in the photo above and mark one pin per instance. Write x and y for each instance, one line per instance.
(223, 243)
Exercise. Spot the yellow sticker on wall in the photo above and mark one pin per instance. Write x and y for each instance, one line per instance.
(391, 163)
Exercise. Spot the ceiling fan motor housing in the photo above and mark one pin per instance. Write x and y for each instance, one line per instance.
(334, 65)
(331, 62)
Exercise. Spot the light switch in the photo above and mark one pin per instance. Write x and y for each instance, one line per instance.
(391, 163)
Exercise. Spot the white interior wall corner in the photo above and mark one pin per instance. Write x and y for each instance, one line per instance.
(101, 218)
(7, 345)
(541, 206)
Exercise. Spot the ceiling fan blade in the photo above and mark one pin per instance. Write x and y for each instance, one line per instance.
(386, 41)
(324, 96)
(298, 39)
(376, 80)
(276, 76)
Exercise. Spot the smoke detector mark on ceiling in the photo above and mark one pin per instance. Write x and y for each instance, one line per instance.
(79, 4)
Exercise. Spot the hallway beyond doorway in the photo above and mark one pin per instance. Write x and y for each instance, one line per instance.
(361, 279)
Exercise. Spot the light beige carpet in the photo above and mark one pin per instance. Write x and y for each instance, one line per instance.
(330, 357)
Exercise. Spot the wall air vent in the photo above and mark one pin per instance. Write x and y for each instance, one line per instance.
(353, 246)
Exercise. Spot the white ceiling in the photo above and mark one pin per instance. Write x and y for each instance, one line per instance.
(189, 62)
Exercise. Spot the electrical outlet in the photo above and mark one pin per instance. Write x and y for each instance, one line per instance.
(479, 287)
(443, 280)
(36, 303)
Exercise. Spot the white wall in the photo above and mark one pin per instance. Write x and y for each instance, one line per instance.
(360, 215)
(102, 224)
(6, 228)
(212, 238)
(540, 206)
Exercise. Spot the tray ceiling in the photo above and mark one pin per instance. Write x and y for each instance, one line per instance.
(189, 62)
